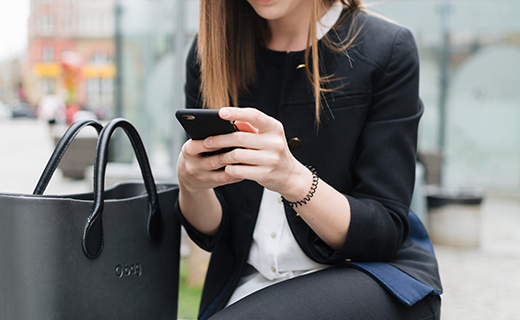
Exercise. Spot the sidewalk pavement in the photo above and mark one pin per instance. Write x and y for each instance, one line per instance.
(484, 283)
(480, 283)
(26, 146)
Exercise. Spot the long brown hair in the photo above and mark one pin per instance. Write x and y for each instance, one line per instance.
(230, 30)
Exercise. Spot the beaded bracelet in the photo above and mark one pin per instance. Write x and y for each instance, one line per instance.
(314, 185)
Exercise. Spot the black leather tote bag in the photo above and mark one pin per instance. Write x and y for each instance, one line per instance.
(110, 254)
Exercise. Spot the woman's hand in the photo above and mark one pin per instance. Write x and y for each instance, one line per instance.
(262, 154)
(197, 172)
(198, 175)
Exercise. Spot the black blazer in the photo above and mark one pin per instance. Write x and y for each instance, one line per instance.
(365, 148)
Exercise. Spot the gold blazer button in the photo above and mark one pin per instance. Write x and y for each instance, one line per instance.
(295, 143)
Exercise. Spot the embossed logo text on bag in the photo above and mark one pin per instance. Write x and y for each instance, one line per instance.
(126, 270)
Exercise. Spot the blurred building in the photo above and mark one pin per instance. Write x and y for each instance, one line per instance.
(71, 52)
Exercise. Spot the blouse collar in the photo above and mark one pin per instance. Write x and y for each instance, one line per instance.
(329, 19)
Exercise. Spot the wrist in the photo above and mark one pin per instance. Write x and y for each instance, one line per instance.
(303, 188)
(189, 192)
(201, 209)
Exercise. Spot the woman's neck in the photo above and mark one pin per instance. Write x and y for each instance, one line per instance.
(290, 32)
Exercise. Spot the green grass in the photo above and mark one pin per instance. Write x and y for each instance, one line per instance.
(189, 296)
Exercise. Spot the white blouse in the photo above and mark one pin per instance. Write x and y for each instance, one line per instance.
(274, 252)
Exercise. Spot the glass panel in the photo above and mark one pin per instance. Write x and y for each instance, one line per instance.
(469, 53)
(152, 57)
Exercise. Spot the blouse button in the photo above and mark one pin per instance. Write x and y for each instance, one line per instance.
(273, 235)
(273, 269)
(295, 143)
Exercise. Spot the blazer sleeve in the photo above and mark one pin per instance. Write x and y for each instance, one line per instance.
(193, 100)
(384, 169)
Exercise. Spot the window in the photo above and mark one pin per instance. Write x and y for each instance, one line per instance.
(67, 23)
(107, 91)
(93, 93)
(99, 58)
(47, 26)
(48, 53)
(100, 92)
(88, 23)
(96, 23)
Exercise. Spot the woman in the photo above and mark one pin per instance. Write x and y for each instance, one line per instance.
(308, 217)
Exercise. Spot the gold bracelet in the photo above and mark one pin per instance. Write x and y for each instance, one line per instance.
(314, 186)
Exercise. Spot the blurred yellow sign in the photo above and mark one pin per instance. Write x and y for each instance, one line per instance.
(99, 71)
(54, 70)
(47, 69)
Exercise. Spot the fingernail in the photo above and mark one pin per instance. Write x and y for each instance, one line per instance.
(208, 142)
(224, 113)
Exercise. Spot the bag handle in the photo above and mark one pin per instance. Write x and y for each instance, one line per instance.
(60, 150)
(93, 234)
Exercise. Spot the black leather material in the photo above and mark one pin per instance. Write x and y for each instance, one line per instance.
(44, 271)
(93, 235)
(60, 150)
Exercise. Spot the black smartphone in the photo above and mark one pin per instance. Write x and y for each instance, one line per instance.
(202, 123)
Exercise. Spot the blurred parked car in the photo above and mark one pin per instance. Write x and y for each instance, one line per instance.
(5, 111)
(22, 109)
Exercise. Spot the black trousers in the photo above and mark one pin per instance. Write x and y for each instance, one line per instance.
(334, 293)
